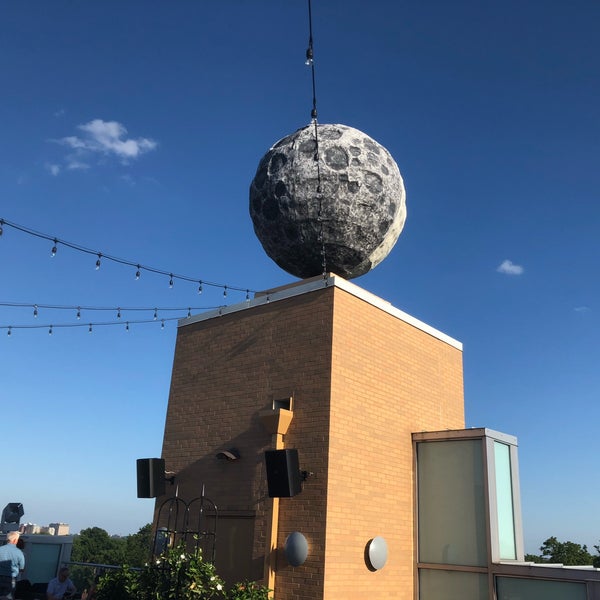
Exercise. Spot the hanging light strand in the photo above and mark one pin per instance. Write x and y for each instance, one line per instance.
(79, 308)
(101, 256)
(10, 329)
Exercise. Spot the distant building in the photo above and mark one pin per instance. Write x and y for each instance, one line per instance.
(60, 528)
(50, 529)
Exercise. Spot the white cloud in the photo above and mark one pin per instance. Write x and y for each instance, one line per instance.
(509, 268)
(74, 164)
(107, 138)
(582, 309)
(54, 169)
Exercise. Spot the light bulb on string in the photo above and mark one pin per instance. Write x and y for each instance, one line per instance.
(35, 311)
(118, 313)
(127, 326)
(200, 287)
(90, 328)
(98, 261)
(50, 330)
(155, 314)
(309, 57)
(189, 313)
(78, 315)
(54, 249)
(247, 295)
(162, 323)
(225, 292)
(171, 280)
(9, 332)
(138, 273)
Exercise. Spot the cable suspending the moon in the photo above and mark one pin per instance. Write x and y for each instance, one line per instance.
(310, 55)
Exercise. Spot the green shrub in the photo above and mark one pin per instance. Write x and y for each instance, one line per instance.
(118, 584)
(174, 575)
(248, 590)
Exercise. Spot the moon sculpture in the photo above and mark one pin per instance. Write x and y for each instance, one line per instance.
(333, 201)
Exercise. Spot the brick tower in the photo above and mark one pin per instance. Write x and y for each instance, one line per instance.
(345, 378)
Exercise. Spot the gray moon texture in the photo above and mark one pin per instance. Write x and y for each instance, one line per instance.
(347, 198)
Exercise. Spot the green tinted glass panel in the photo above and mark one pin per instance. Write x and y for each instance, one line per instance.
(452, 585)
(514, 588)
(504, 497)
(451, 502)
(42, 561)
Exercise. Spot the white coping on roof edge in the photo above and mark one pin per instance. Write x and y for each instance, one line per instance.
(312, 285)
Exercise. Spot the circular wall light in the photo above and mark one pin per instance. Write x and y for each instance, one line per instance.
(376, 553)
(296, 549)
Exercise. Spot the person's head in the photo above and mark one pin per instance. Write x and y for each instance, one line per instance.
(12, 537)
(63, 574)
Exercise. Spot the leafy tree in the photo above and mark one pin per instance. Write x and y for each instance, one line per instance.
(534, 558)
(567, 553)
(94, 545)
(596, 559)
(138, 546)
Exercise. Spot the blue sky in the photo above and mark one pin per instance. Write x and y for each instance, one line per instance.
(134, 129)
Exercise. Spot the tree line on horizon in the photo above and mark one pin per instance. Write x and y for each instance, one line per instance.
(95, 545)
(567, 553)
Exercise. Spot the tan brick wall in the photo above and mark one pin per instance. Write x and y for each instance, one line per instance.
(362, 381)
(388, 380)
(225, 371)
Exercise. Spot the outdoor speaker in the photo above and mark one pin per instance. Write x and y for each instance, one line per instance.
(150, 477)
(283, 473)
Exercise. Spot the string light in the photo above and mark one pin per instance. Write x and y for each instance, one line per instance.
(225, 292)
(247, 295)
(90, 326)
(309, 57)
(103, 257)
(155, 314)
(78, 313)
(54, 249)
(35, 311)
(118, 313)
(189, 313)
(171, 280)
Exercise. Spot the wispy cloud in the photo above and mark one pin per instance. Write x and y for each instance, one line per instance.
(52, 168)
(508, 267)
(582, 310)
(75, 164)
(104, 138)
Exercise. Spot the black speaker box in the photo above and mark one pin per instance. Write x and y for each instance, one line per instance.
(150, 477)
(283, 473)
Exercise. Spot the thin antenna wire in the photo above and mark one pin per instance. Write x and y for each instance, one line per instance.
(313, 114)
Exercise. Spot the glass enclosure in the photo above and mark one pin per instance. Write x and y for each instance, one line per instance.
(451, 503)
